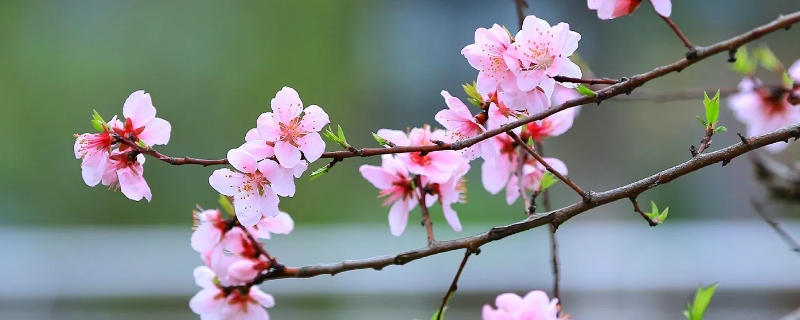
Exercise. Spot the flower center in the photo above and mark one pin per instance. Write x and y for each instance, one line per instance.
(291, 131)
(774, 102)
(539, 131)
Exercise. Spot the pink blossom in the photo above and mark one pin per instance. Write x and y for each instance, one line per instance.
(563, 94)
(531, 102)
(452, 191)
(209, 230)
(535, 305)
(499, 112)
(238, 242)
(247, 269)
(292, 132)
(554, 125)
(93, 149)
(495, 176)
(541, 52)
(393, 180)
(486, 55)
(240, 304)
(208, 302)
(461, 124)
(141, 122)
(762, 111)
(282, 223)
(261, 149)
(437, 166)
(610, 9)
(254, 188)
(128, 173)
(532, 172)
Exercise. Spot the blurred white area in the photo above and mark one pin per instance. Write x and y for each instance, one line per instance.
(595, 257)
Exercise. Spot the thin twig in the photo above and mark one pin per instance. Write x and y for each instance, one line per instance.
(173, 161)
(790, 241)
(638, 210)
(521, 6)
(586, 81)
(426, 217)
(526, 200)
(680, 35)
(454, 284)
(553, 241)
(539, 158)
(704, 143)
(555, 217)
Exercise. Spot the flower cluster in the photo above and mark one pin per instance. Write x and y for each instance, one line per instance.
(610, 9)
(106, 159)
(510, 306)
(763, 109)
(233, 262)
(272, 157)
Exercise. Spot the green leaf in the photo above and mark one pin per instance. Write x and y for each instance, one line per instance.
(341, 134)
(96, 116)
(744, 64)
(583, 90)
(328, 133)
(436, 314)
(701, 300)
(319, 172)
(663, 215)
(788, 82)
(653, 208)
(720, 129)
(226, 205)
(97, 126)
(473, 96)
(530, 141)
(380, 139)
(767, 59)
(702, 121)
(547, 181)
(712, 108)
(142, 144)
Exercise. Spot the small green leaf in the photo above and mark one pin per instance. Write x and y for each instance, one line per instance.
(653, 208)
(97, 126)
(380, 139)
(226, 205)
(686, 313)
(788, 82)
(585, 91)
(701, 300)
(547, 181)
(341, 134)
(702, 121)
(651, 216)
(712, 108)
(744, 64)
(436, 314)
(96, 116)
(720, 129)
(767, 59)
(337, 138)
(473, 96)
(319, 172)
(663, 215)
(142, 144)
(328, 133)
(530, 141)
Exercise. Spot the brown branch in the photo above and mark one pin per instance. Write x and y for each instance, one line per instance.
(638, 210)
(173, 161)
(790, 241)
(526, 200)
(686, 42)
(704, 143)
(587, 81)
(454, 284)
(560, 176)
(521, 6)
(555, 217)
(553, 242)
(426, 217)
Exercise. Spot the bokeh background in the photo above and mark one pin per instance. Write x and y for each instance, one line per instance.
(74, 252)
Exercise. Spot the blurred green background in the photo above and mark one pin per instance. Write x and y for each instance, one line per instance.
(212, 67)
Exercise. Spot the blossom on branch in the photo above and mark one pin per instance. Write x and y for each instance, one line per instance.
(292, 133)
(141, 122)
(125, 170)
(610, 9)
(763, 110)
(532, 173)
(452, 191)
(215, 302)
(487, 55)
(461, 124)
(437, 166)
(93, 149)
(535, 305)
(254, 188)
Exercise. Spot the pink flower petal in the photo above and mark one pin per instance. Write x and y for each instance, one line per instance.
(270, 130)
(663, 7)
(398, 217)
(259, 149)
(205, 237)
(452, 217)
(379, 177)
(312, 146)
(314, 119)
(139, 107)
(281, 181)
(133, 185)
(204, 303)
(494, 178)
(264, 299)
(395, 136)
(204, 277)
(509, 302)
(156, 132)
(227, 182)
(287, 154)
(252, 134)
(242, 161)
(287, 105)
